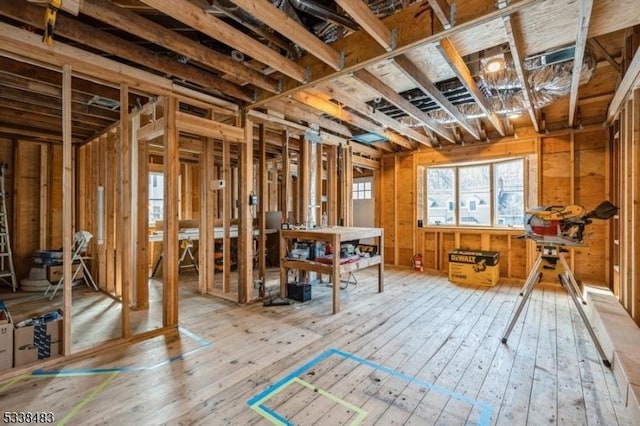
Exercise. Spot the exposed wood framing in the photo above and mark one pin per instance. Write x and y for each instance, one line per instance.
(67, 206)
(594, 44)
(226, 216)
(631, 79)
(88, 35)
(141, 300)
(361, 13)
(443, 11)
(245, 225)
(283, 24)
(171, 226)
(338, 112)
(125, 225)
(515, 47)
(194, 16)
(584, 18)
(382, 119)
(299, 112)
(44, 194)
(263, 206)
(450, 53)
(423, 82)
(206, 244)
(392, 96)
(201, 126)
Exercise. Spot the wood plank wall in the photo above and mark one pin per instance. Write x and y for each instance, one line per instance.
(561, 169)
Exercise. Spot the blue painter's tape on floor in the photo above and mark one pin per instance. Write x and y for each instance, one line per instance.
(485, 409)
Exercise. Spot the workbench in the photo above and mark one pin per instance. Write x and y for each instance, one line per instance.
(334, 235)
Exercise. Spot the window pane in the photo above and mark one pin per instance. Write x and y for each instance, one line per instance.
(441, 194)
(156, 196)
(367, 195)
(475, 195)
(509, 193)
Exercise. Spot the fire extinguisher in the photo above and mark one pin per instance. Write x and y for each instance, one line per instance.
(417, 262)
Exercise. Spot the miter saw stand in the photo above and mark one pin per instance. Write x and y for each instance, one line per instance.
(551, 257)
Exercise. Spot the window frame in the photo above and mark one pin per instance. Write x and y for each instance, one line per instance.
(494, 222)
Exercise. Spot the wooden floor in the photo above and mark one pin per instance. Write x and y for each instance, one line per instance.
(423, 352)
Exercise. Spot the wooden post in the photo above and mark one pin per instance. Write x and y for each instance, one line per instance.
(286, 176)
(67, 204)
(262, 197)
(207, 195)
(245, 225)
(110, 199)
(142, 220)
(226, 217)
(332, 184)
(303, 180)
(44, 195)
(171, 248)
(319, 169)
(124, 213)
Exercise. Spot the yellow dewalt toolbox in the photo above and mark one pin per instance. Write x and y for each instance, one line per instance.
(474, 267)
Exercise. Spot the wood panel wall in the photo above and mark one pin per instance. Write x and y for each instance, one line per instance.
(562, 169)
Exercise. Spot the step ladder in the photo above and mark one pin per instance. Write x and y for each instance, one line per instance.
(7, 271)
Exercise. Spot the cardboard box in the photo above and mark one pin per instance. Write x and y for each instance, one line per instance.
(474, 267)
(6, 340)
(37, 341)
(54, 272)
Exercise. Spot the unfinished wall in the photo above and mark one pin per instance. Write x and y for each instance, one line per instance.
(561, 169)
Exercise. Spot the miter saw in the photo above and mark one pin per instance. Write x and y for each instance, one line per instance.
(553, 228)
(563, 225)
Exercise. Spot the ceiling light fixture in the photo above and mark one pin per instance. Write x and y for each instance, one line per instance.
(494, 64)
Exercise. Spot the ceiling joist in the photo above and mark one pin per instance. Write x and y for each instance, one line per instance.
(196, 17)
(361, 13)
(381, 118)
(518, 63)
(443, 11)
(279, 21)
(584, 18)
(393, 97)
(460, 68)
(423, 83)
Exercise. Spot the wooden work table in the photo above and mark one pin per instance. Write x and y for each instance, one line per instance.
(334, 235)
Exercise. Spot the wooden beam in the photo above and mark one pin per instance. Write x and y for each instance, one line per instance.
(442, 10)
(596, 45)
(630, 80)
(451, 55)
(518, 61)
(275, 18)
(194, 16)
(67, 207)
(125, 243)
(393, 97)
(262, 200)
(362, 50)
(584, 19)
(90, 36)
(203, 127)
(277, 122)
(25, 43)
(142, 222)
(296, 111)
(125, 20)
(245, 223)
(170, 232)
(71, 6)
(365, 162)
(338, 112)
(423, 83)
(361, 13)
(381, 118)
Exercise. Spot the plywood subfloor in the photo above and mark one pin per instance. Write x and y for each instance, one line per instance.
(423, 352)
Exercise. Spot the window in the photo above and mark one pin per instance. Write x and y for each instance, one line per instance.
(487, 194)
(156, 196)
(362, 191)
